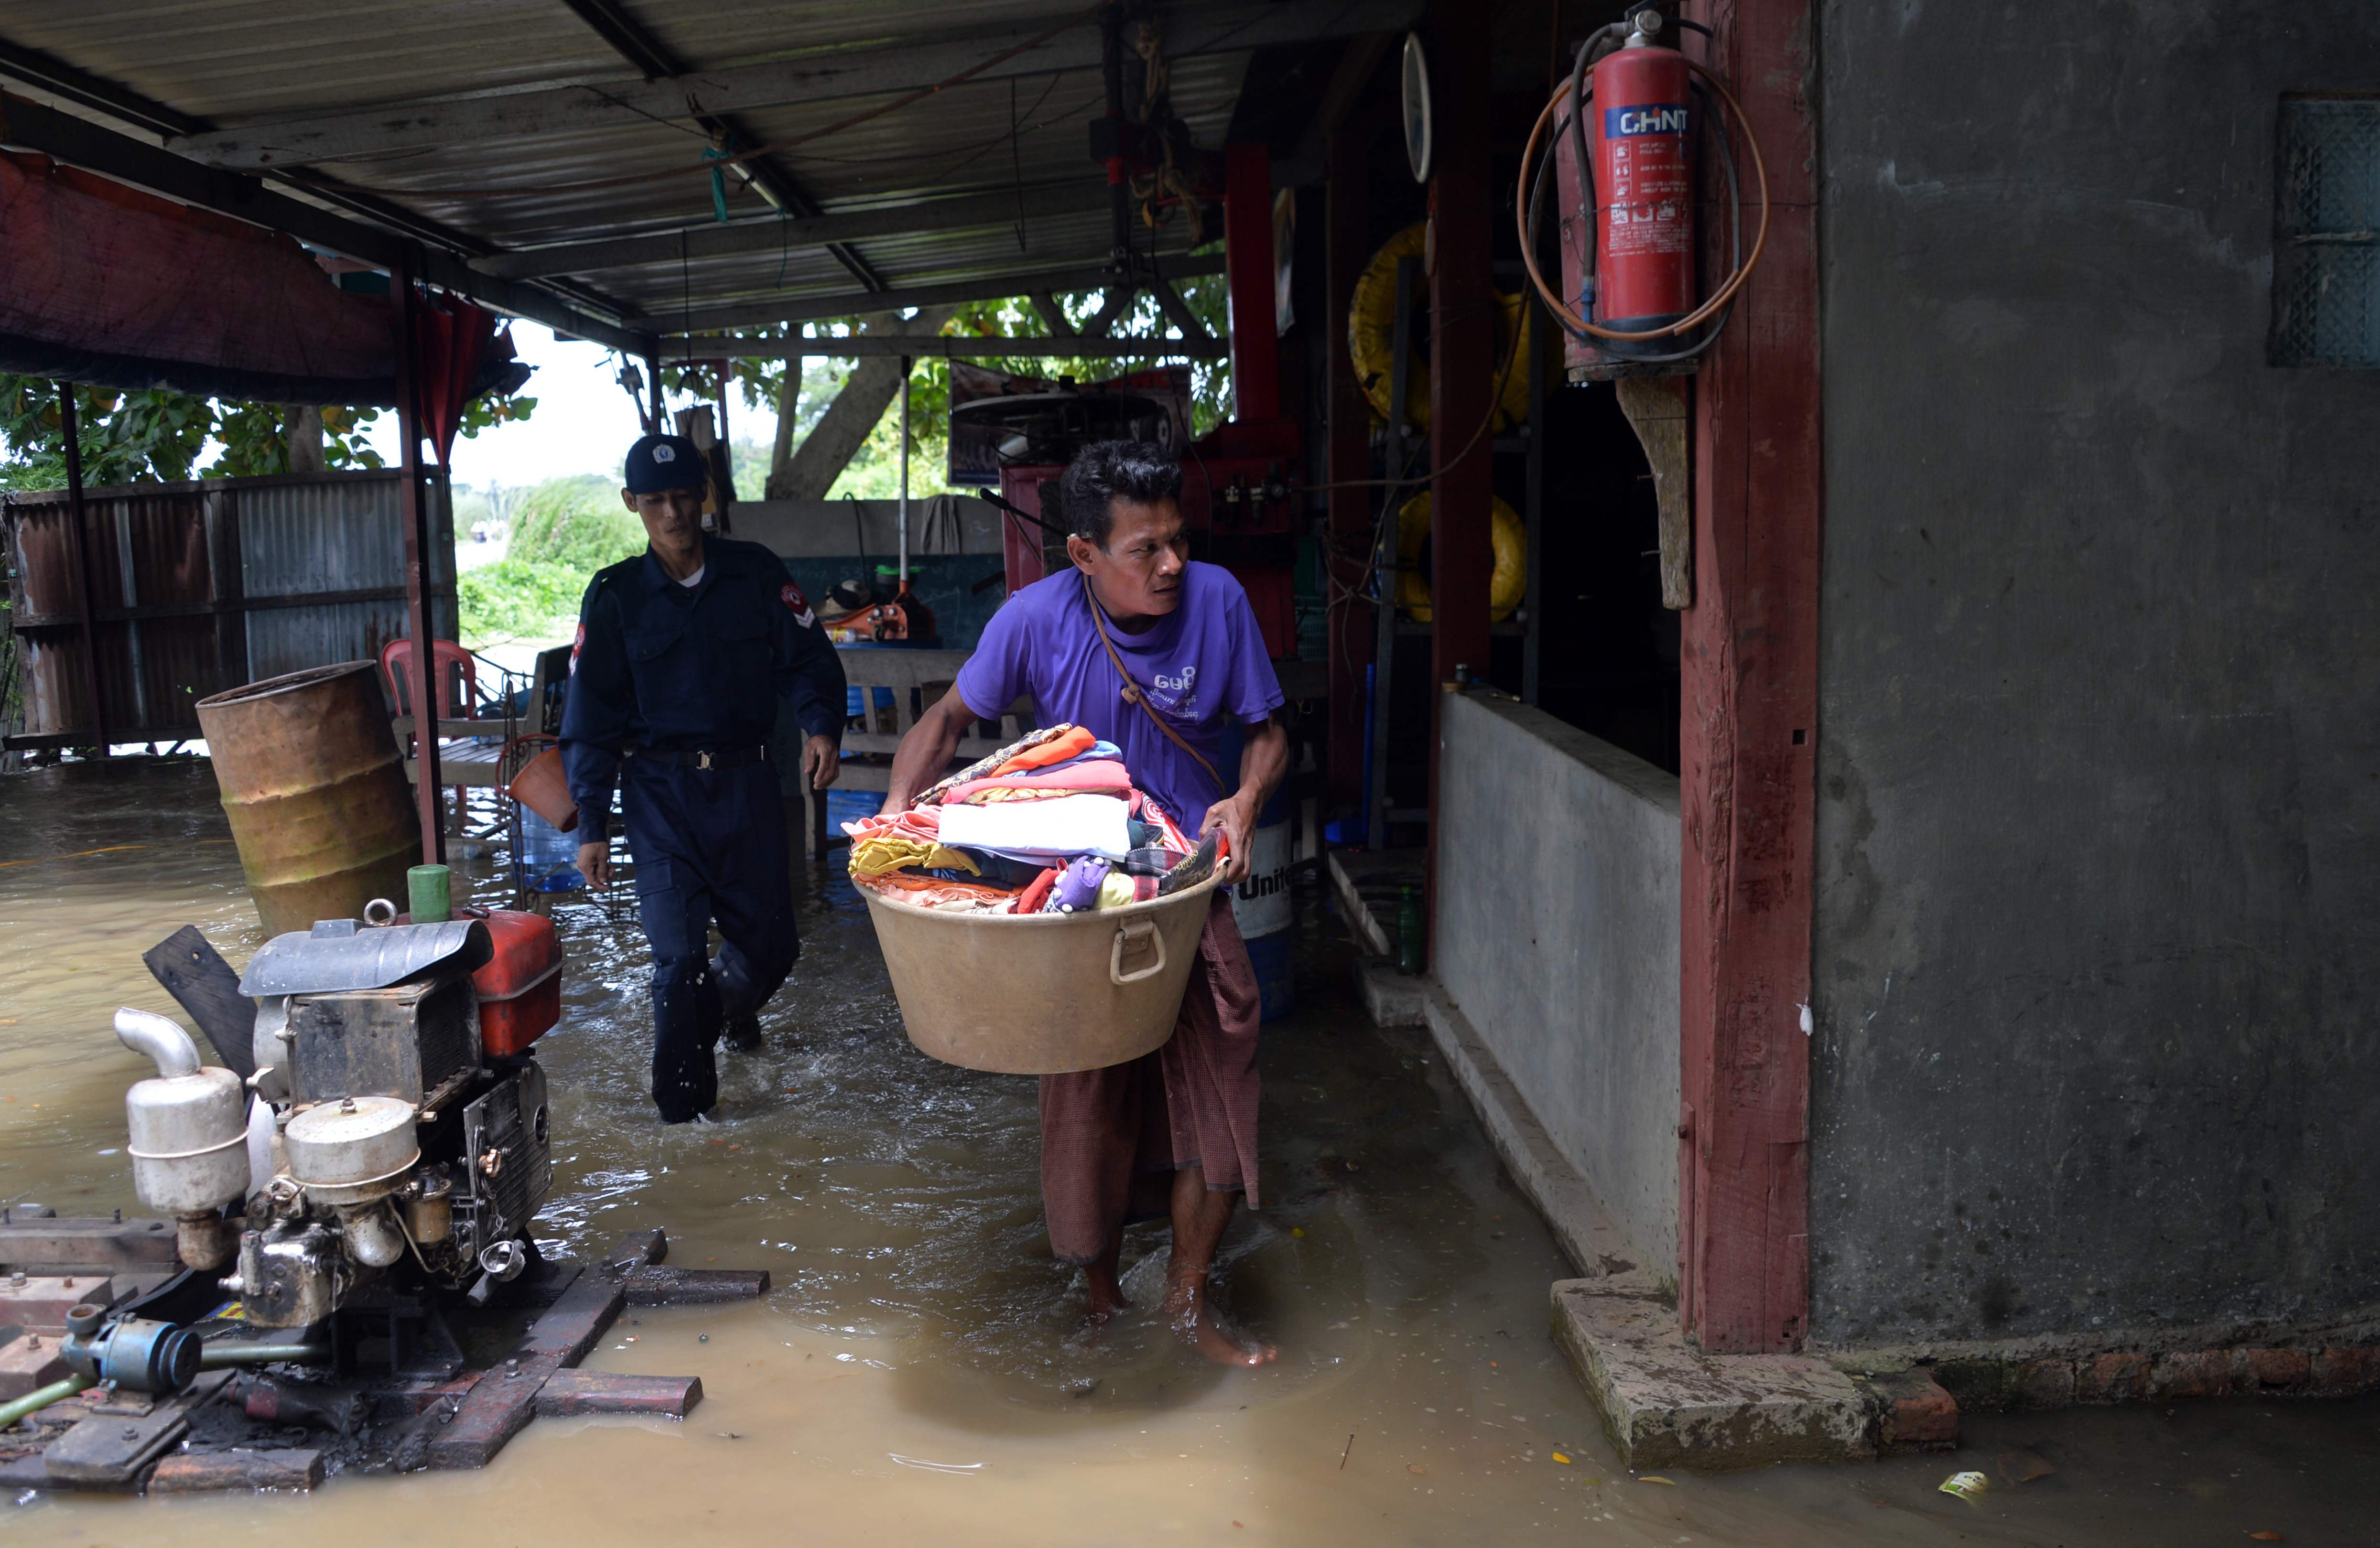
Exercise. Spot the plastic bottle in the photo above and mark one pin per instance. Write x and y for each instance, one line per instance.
(1409, 934)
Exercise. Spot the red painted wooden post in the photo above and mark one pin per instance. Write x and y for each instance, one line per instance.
(86, 585)
(1248, 267)
(421, 675)
(1461, 362)
(1749, 739)
(1347, 209)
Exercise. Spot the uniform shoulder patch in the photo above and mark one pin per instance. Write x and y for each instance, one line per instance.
(797, 604)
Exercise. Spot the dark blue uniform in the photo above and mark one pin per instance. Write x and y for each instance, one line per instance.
(673, 693)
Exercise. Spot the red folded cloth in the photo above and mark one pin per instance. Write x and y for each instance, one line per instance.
(1105, 774)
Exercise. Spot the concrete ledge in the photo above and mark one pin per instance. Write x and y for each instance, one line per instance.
(1389, 997)
(2332, 1357)
(1667, 1404)
(1366, 884)
(1587, 1231)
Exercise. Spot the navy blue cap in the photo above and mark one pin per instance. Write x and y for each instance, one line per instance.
(665, 462)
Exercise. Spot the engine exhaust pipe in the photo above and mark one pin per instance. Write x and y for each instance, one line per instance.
(167, 1044)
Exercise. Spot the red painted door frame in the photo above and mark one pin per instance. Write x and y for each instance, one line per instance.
(1348, 424)
(1749, 737)
(1462, 366)
(1249, 274)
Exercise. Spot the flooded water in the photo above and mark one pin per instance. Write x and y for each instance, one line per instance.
(915, 1374)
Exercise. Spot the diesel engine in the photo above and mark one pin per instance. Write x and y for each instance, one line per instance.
(398, 1132)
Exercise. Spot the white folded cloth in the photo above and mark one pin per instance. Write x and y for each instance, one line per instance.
(1058, 826)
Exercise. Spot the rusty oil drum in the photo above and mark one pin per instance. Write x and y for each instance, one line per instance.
(319, 807)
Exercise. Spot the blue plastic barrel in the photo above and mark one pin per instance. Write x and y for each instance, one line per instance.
(1261, 902)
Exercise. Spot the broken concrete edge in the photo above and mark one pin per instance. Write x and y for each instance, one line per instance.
(1390, 998)
(1588, 1233)
(1666, 1403)
(1997, 1383)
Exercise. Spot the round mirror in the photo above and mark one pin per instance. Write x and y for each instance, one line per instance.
(1420, 140)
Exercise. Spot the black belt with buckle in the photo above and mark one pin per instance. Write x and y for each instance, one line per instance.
(734, 757)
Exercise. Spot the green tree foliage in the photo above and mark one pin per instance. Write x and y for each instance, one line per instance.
(563, 531)
(875, 471)
(152, 436)
(518, 599)
(578, 522)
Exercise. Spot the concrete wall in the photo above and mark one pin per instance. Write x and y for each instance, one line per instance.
(2099, 804)
(1558, 937)
(834, 528)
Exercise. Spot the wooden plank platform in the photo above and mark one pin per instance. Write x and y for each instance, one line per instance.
(195, 1472)
(46, 1244)
(504, 1398)
(608, 1392)
(656, 1285)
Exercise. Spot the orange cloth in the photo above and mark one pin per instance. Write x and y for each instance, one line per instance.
(893, 881)
(1075, 742)
(1036, 891)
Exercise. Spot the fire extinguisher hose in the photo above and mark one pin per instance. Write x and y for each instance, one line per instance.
(1723, 298)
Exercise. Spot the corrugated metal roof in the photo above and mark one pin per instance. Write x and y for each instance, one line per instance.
(240, 62)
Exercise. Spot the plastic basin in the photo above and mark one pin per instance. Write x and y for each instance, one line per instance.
(1046, 993)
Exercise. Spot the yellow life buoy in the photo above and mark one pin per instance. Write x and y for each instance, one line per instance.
(1372, 334)
(1507, 584)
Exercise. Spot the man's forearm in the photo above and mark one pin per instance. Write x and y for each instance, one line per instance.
(1263, 763)
(924, 752)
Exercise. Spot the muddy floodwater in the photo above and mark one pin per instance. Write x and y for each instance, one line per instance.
(915, 1374)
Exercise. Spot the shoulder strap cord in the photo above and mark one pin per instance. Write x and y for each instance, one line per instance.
(1131, 690)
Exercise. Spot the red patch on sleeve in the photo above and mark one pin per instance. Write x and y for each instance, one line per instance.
(797, 604)
(577, 644)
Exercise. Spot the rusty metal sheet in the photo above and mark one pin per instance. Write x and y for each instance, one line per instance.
(171, 627)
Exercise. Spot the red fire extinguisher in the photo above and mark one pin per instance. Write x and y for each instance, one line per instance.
(1630, 119)
(1645, 251)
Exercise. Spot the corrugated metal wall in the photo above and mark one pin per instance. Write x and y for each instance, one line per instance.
(201, 586)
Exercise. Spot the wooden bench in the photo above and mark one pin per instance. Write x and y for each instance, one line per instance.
(918, 679)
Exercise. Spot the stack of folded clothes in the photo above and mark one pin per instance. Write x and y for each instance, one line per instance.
(1049, 824)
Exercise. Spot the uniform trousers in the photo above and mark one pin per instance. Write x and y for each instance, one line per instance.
(710, 845)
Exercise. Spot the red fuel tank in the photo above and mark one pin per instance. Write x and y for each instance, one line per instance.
(520, 987)
(1643, 184)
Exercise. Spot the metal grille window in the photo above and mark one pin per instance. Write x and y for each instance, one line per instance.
(2327, 254)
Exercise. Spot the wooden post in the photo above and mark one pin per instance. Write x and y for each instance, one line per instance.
(422, 680)
(1463, 309)
(1748, 742)
(1347, 237)
(71, 427)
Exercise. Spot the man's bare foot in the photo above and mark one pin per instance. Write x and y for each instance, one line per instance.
(1107, 1291)
(1192, 1321)
(1107, 1299)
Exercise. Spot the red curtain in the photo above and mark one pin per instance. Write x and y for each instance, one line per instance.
(451, 338)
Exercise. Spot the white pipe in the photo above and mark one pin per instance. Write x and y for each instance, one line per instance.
(144, 1031)
(906, 364)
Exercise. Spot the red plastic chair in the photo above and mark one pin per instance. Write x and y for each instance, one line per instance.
(397, 662)
(452, 662)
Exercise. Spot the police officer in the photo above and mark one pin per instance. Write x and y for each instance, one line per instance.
(682, 653)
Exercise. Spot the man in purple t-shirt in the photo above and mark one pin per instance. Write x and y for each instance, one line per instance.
(1175, 1132)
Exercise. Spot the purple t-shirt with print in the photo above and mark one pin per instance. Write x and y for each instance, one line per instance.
(1202, 666)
